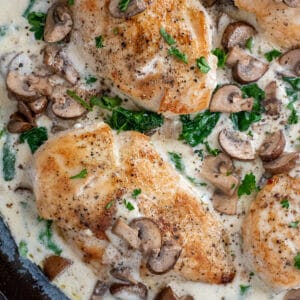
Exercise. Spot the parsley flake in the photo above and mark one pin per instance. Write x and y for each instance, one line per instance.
(109, 204)
(176, 158)
(244, 288)
(90, 79)
(203, 65)
(37, 21)
(248, 185)
(123, 5)
(211, 151)
(99, 41)
(71, 2)
(285, 203)
(179, 55)
(78, 99)
(23, 249)
(271, 55)
(249, 44)
(135, 193)
(294, 224)
(128, 205)
(297, 261)
(221, 55)
(82, 174)
(168, 39)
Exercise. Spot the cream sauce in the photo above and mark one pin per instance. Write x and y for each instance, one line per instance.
(18, 209)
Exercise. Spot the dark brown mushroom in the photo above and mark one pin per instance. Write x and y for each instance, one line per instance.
(123, 273)
(219, 172)
(55, 59)
(163, 261)
(38, 106)
(292, 295)
(271, 103)
(59, 23)
(235, 146)
(99, 290)
(55, 265)
(148, 233)
(229, 99)
(26, 112)
(292, 3)
(272, 147)
(283, 164)
(225, 204)
(291, 60)
(186, 297)
(134, 8)
(166, 294)
(209, 3)
(126, 233)
(18, 124)
(125, 291)
(237, 34)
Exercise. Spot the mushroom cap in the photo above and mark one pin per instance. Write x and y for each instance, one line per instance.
(135, 7)
(123, 291)
(225, 204)
(166, 294)
(55, 265)
(18, 126)
(149, 234)
(283, 164)
(26, 112)
(272, 147)
(229, 99)
(163, 261)
(59, 23)
(234, 146)
(292, 295)
(237, 34)
(271, 103)
(39, 105)
(123, 273)
(292, 3)
(100, 289)
(291, 60)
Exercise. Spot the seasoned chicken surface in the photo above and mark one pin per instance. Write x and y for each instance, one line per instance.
(270, 238)
(279, 22)
(116, 164)
(134, 56)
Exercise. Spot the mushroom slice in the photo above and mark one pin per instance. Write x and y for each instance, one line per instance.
(99, 290)
(58, 63)
(292, 3)
(26, 112)
(123, 273)
(209, 3)
(55, 265)
(166, 294)
(291, 60)
(18, 124)
(271, 103)
(229, 99)
(148, 233)
(38, 106)
(163, 261)
(237, 34)
(272, 147)
(283, 164)
(126, 233)
(63, 105)
(218, 171)
(129, 291)
(59, 23)
(234, 146)
(234, 55)
(186, 297)
(225, 204)
(292, 295)
(135, 7)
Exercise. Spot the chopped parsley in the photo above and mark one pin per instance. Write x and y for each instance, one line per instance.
(123, 5)
(248, 185)
(168, 39)
(272, 55)
(90, 79)
(179, 55)
(34, 137)
(203, 65)
(3, 30)
(71, 2)
(105, 102)
(249, 44)
(128, 205)
(176, 158)
(136, 192)
(99, 40)
(294, 224)
(8, 161)
(297, 261)
(285, 203)
(23, 249)
(28, 8)
(196, 130)
(78, 99)
(109, 204)
(293, 118)
(244, 288)
(46, 238)
(292, 92)
(221, 55)
(195, 181)
(82, 174)
(37, 21)
(211, 151)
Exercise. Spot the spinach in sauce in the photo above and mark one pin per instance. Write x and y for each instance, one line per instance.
(8, 161)
(46, 238)
(35, 137)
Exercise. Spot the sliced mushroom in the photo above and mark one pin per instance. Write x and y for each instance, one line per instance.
(237, 34)
(219, 171)
(163, 261)
(166, 294)
(234, 146)
(26, 112)
(63, 105)
(229, 99)
(18, 124)
(148, 233)
(126, 233)
(123, 273)
(292, 3)
(186, 297)
(99, 290)
(127, 291)
(225, 204)
(209, 3)
(134, 8)
(283, 164)
(55, 265)
(234, 55)
(272, 147)
(59, 23)
(292, 295)
(291, 60)
(38, 106)
(55, 59)
(271, 103)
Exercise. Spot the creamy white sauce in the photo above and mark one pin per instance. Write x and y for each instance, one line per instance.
(18, 209)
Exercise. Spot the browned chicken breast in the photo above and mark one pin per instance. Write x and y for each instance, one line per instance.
(277, 20)
(133, 56)
(115, 166)
(271, 235)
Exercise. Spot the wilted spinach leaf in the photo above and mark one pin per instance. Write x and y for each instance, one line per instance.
(8, 162)
(37, 21)
(35, 137)
(28, 8)
(46, 238)
(293, 93)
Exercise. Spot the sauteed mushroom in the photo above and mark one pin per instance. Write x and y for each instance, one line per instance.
(134, 8)
(59, 23)
(55, 265)
(99, 290)
(123, 291)
(25, 111)
(168, 294)
(38, 106)
(282, 164)
(229, 99)
(18, 123)
(291, 60)
(209, 3)
(225, 204)
(292, 3)
(123, 273)
(271, 103)
(292, 295)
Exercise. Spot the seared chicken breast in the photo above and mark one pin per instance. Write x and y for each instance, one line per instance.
(134, 57)
(279, 22)
(116, 165)
(271, 235)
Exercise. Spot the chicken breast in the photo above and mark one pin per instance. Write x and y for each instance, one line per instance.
(271, 235)
(279, 22)
(134, 57)
(116, 164)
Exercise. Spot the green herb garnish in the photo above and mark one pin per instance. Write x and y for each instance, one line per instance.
(46, 238)
(211, 151)
(179, 55)
(123, 5)
(272, 55)
(294, 224)
(136, 192)
(128, 205)
(168, 39)
(244, 289)
(90, 79)
(248, 185)
(105, 102)
(249, 44)
(3, 30)
(203, 65)
(82, 174)
(297, 261)
(176, 158)
(23, 249)
(37, 21)
(99, 40)
(71, 2)
(293, 93)
(34, 137)
(285, 203)
(8, 161)
(28, 8)
(221, 55)
(78, 99)
(109, 204)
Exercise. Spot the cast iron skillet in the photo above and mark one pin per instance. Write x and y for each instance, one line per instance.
(20, 279)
